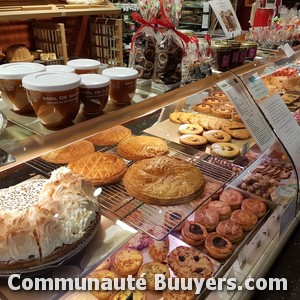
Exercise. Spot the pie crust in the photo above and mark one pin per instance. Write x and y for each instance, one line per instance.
(164, 180)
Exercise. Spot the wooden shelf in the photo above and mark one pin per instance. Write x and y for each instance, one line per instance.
(27, 12)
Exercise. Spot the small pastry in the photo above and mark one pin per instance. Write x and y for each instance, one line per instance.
(246, 218)
(237, 130)
(232, 197)
(225, 150)
(193, 140)
(236, 117)
(174, 218)
(193, 233)
(223, 209)
(218, 246)
(203, 108)
(221, 112)
(207, 217)
(128, 261)
(215, 136)
(190, 129)
(128, 294)
(259, 208)
(179, 294)
(231, 230)
(213, 101)
(158, 250)
(221, 95)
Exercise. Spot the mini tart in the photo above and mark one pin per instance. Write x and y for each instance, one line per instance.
(231, 230)
(259, 208)
(172, 218)
(100, 275)
(246, 218)
(190, 129)
(225, 150)
(237, 130)
(218, 246)
(223, 209)
(207, 217)
(99, 168)
(221, 95)
(213, 101)
(128, 261)
(215, 136)
(111, 136)
(221, 112)
(150, 269)
(193, 233)
(232, 197)
(203, 108)
(128, 294)
(141, 147)
(193, 140)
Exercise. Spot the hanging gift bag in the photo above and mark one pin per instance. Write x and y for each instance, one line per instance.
(170, 50)
(143, 45)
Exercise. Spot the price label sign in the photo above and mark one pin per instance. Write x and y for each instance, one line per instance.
(288, 50)
(256, 87)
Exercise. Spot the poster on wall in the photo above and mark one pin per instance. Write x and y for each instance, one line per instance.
(226, 16)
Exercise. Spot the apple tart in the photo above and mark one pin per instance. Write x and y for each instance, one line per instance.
(141, 147)
(99, 168)
(164, 180)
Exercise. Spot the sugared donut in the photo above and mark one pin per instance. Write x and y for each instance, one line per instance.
(259, 208)
(223, 209)
(230, 230)
(207, 217)
(246, 218)
(233, 197)
(218, 246)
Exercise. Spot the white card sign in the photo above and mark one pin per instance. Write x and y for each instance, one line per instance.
(227, 17)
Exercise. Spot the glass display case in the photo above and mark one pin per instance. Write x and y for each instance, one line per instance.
(247, 151)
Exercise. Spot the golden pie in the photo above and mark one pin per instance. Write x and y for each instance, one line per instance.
(164, 180)
(111, 136)
(99, 168)
(70, 152)
(140, 147)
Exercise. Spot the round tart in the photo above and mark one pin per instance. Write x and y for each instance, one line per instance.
(193, 140)
(190, 129)
(69, 153)
(215, 136)
(111, 136)
(128, 261)
(187, 262)
(221, 112)
(232, 197)
(237, 130)
(164, 180)
(150, 269)
(140, 147)
(221, 95)
(99, 168)
(223, 209)
(225, 150)
(213, 101)
(246, 218)
(172, 218)
(193, 233)
(231, 230)
(203, 108)
(218, 246)
(207, 217)
(259, 208)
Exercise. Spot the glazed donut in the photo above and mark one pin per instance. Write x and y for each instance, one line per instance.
(232, 197)
(193, 233)
(207, 217)
(231, 230)
(259, 208)
(223, 209)
(218, 246)
(246, 218)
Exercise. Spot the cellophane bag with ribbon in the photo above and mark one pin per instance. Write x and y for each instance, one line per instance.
(142, 53)
(170, 50)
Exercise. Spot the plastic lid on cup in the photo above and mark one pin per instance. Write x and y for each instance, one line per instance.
(18, 70)
(51, 81)
(94, 80)
(60, 68)
(84, 63)
(120, 73)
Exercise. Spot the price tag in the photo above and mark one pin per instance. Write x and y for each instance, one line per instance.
(288, 50)
(256, 87)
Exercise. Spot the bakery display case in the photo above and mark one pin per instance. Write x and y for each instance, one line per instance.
(220, 127)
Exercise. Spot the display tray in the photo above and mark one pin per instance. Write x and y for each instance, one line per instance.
(51, 265)
(150, 218)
